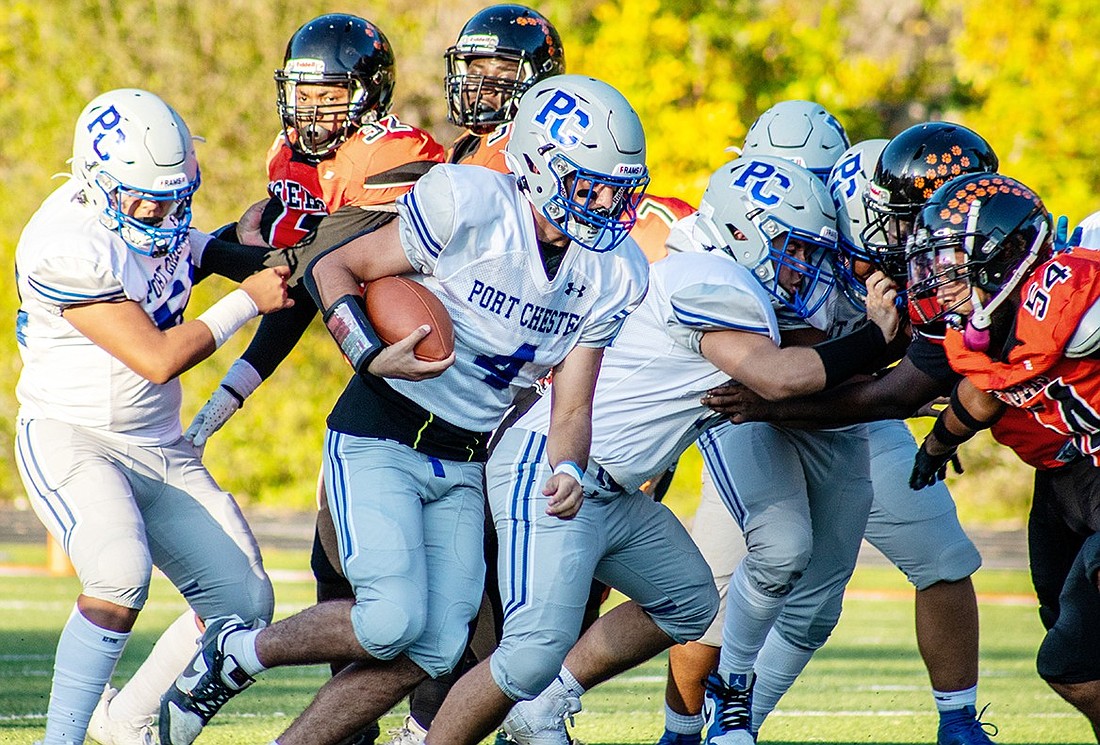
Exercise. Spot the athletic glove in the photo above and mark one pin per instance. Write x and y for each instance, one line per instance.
(1062, 238)
(928, 468)
(237, 385)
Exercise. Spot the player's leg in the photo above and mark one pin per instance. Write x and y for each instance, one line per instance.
(758, 473)
(1069, 660)
(87, 505)
(836, 464)
(923, 538)
(331, 583)
(544, 566)
(722, 545)
(124, 716)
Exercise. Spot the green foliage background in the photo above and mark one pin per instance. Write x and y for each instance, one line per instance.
(698, 71)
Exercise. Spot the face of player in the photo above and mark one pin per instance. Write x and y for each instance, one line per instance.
(323, 105)
(954, 292)
(148, 211)
(489, 97)
(790, 279)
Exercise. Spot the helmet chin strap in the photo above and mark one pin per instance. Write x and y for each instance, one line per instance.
(977, 327)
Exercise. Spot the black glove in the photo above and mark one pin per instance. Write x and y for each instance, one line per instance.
(928, 468)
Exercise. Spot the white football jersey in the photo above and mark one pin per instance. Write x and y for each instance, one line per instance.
(65, 257)
(470, 233)
(646, 410)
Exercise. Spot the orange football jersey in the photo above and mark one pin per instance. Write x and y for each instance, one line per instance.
(375, 166)
(482, 150)
(655, 218)
(1063, 394)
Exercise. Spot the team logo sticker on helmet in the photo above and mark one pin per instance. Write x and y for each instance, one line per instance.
(564, 120)
(761, 181)
(108, 123)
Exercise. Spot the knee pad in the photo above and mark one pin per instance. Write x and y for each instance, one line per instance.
(522, 669)
(774, 572)
(120, 576)
(689, 619)
(386, 628)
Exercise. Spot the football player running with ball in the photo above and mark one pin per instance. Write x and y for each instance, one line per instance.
(104, 271)
(707, 317)
(537, 275)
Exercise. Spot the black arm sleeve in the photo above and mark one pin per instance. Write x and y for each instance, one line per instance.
(279, 332)
(232, 260)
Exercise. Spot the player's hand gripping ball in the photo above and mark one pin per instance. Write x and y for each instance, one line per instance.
(397, 306)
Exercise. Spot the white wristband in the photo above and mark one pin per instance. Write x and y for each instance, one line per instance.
(224, 317)
(571, 468)
(242, 379)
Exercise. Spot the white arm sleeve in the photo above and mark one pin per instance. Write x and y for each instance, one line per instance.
(427, 219)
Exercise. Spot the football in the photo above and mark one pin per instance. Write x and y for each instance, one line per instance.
(396, 306)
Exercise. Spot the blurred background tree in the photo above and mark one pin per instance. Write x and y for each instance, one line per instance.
(698, 71)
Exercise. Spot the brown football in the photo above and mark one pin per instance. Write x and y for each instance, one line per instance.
(396, 306)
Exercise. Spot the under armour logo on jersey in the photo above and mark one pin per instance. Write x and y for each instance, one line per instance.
(565, 122)
(762, 181)
(107, 122)
(571, 288)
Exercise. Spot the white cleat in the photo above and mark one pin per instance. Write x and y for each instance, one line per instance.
(107, 731)
(541, 721)
(409, 733)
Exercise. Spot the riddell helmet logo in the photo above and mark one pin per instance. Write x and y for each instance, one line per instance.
(877, 194)
(306, 66)
(478, 42)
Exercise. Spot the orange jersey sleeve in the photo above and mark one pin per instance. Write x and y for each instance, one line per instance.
(379, 164)
(1035, 444)
(655, 216)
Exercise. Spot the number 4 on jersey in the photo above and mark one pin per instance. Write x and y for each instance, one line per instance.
(504, 368)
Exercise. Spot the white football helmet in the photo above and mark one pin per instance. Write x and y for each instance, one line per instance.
(847, 186)
(130, 145)
(572, 133)
(800, 131)
(753, 208)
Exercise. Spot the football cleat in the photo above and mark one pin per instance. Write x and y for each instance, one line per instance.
(367, 736)
(409, 733)
(679, 738)
(965, 727)
(727, 708)
(211, 679)
(541, 721)
(107, 731)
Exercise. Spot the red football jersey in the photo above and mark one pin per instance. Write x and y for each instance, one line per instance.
(372, 168)
(1063, 394)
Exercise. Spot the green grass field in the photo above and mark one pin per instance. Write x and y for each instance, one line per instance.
(866, 685)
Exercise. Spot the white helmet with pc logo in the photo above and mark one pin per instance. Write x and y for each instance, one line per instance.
(572, 133)
(130, 145)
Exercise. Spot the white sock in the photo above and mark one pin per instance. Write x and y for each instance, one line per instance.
(951, 700)
(140, 697)
(683, 724)
(242, 647)
(569, 684)
(750, 614)
(86, 657)
(777, 667)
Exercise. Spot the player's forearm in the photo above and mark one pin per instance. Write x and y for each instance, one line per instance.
(570, 437)
(279, 333)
